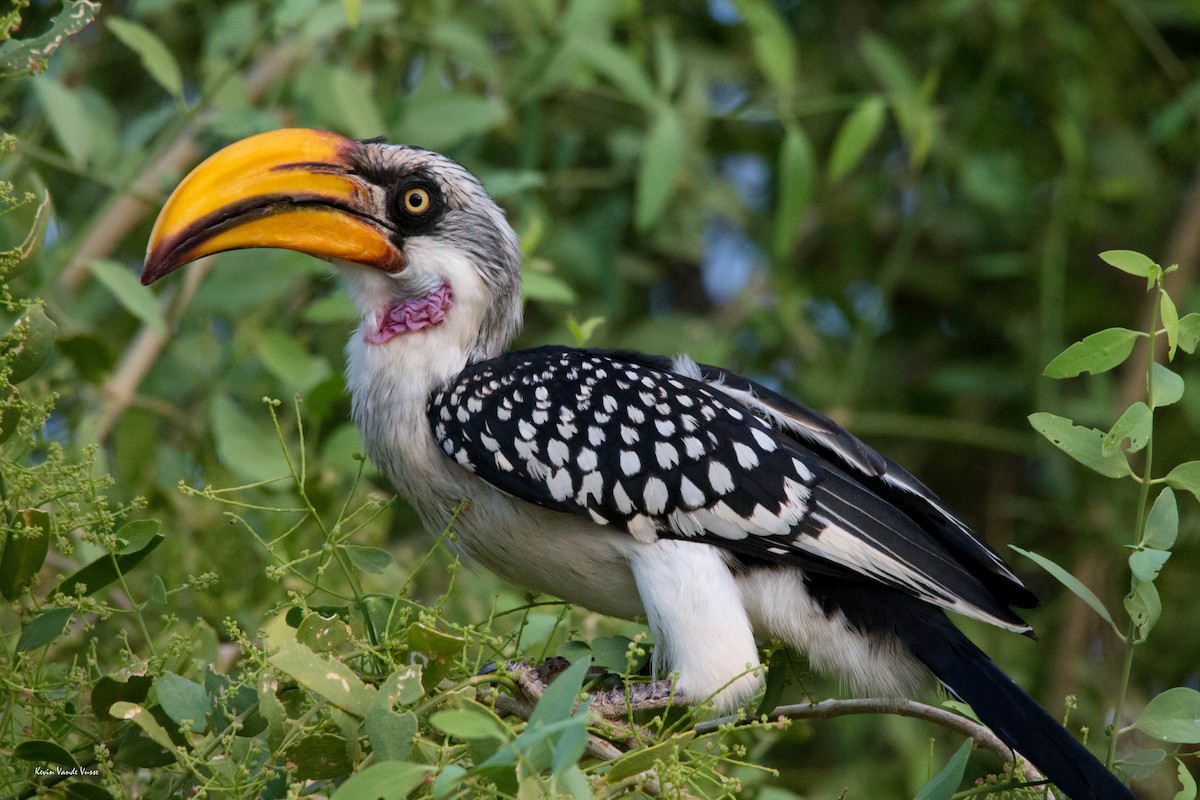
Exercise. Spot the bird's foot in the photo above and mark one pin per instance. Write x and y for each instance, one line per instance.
(615, 703)
(621, 701)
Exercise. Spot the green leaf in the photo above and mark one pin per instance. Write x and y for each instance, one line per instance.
(25, 550)
(1136, 425)
(336, 307)
(43, 629)
(1077, 587)
(1168, 386)
(1085, 445)
(135, 535)
(45, 752)
(542, 287)
(1173, 716)
(108, 690)
(127, 290)
(319, 757)
(660, 168)
(641, 759)
(352, 8)
(1170, 318)
(582, 331)
(1132, 262)
(389, 780)
(369, 559)
(438, 648)
(289, 361)
(1141, 764)
(352, 100)
(183, 699)
(158, 591)
(155, 56)
(1147, 563)
(81, 790)
(611, 653)
(69, 119)
(620, 68)
(28, 54)
(144, 720)
(391, 734)
(774, 46)
(107, 568)
(326, 677)
(442, 120)
(402, 687)
(1186, 476)
(569, 748)
(1144, 607)
(246, 448)
(447, 780)
(273, 712)
(10, 412)
(1189, 332)
(501, 183)
(90, 354)
(1188, 792)
(666, 59)
(855, 137)
(29, 343)
(1097, 353)
(943, 785)
(470, 723)
(323, 634)
(796, 173)
(558, 701)
(1162, 524)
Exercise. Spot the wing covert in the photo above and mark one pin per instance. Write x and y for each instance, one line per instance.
(627, 441)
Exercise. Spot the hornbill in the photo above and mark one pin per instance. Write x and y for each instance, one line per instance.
(639, 486)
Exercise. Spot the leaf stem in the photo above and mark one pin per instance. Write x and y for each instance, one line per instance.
(1131, 639)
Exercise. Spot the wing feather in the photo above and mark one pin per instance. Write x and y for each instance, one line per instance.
(664, 450)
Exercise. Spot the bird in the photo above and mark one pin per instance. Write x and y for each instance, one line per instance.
(639, 486)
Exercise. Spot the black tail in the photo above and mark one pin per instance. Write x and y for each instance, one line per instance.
(1004, 707)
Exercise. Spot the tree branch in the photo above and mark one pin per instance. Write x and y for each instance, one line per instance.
(829, 709)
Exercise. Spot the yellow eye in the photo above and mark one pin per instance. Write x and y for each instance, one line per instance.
(416, 200)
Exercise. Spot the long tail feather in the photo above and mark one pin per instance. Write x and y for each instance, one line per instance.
(1004, 707)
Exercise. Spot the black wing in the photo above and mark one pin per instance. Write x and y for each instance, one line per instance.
(629, 441)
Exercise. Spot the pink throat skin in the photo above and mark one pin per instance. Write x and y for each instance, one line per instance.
(411, 315)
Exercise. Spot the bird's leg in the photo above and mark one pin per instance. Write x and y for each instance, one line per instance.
(615, 703)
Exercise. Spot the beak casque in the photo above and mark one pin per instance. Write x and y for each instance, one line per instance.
(294, 189)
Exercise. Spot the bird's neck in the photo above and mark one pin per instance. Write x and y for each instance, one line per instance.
(417, 334)
(409, 314)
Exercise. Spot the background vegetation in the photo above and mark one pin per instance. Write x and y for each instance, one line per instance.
(888, 210)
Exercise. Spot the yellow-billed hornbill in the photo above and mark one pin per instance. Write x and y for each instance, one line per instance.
(634, 485)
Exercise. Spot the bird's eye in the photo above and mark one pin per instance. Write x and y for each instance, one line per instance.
(416, 200)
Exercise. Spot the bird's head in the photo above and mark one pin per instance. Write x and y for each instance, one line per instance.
(419, 242)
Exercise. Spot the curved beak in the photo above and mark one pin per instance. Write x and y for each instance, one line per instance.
(295, 189)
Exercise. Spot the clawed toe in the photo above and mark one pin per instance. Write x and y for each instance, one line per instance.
(614, 703)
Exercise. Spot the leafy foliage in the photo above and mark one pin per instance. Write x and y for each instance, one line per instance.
(887, 210)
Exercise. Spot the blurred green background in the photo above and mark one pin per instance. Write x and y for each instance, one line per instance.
(890, 211)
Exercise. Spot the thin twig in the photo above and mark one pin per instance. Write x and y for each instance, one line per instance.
(120, 390)
(125, 212)
(829, 709)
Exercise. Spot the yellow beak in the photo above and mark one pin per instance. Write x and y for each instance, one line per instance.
(294, 189)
